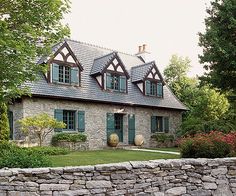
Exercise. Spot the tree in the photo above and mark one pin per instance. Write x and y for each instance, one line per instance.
(4, 123)
(219, 45)
(40, 126)
(27, 29)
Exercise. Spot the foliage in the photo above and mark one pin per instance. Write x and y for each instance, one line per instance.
(219, 45)
(13, 156)
(211, 145)
(69, 137)
(40, 126)
(4, 123)
(163, 137)
(48, 150)
(27, 29)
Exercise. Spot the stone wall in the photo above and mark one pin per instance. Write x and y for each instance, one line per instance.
(95, 118)
(160, 177)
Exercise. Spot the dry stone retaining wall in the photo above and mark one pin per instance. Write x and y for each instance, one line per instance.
(160, 177)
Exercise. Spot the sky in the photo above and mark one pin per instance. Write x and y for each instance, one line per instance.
(167, 27)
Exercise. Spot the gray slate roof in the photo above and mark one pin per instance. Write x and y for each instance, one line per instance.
(90, 90)
(100, 63)
(139, 72)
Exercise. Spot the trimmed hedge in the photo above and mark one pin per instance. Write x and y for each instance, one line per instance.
(48, 150)
(69, 137)
(163, 137)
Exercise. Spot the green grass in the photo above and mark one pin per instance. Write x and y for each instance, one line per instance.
(106, 156)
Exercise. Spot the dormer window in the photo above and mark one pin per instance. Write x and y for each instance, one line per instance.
(116, 82)
(148, 79)
(153, 88)
(110, 73)
(65, 67)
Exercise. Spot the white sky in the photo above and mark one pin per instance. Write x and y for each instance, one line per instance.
(166, 26)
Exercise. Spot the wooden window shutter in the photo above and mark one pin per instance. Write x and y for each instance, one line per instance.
(58, 115)
(159, 90)
(123, 83)
(153, 124)
(74, 75)
(81, 121)
(108, 81)
(147, 87)
(166, 124)
(55, 72)
(110, 121)
(131, 122)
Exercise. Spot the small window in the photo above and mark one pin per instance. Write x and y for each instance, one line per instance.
(69, 120)
(116, 82)
(159, 124)
(65, 74)
(153, 88)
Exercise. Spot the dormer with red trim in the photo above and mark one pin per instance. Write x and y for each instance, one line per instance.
(110, 73)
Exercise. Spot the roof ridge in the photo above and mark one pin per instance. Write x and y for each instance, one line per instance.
(102, 47)
(142, 65)
(104, 55)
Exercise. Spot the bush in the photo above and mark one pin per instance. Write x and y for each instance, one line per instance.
(69, 137)
(163, 137)
(23, 159)
(48, 150)
(212, 145)
(13, 156)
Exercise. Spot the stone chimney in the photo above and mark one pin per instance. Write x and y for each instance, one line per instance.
(142, 51)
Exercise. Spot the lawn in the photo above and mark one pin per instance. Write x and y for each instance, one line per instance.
(106, 156)
(166, 149)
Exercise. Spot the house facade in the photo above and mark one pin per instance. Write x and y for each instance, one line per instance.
(98, 91)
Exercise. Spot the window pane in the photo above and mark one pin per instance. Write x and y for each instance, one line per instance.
(67, 74)
(116, 82)
(153, 89)
(61, 73)
(159, 124)
(69, 119)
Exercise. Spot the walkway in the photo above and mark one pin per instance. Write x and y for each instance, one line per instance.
(160, 151)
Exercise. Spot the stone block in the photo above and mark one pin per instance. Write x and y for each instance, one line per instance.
(54, 187)
(98, 184)
(176, 191)
(222, 170)
(208, 185)
(208, 179)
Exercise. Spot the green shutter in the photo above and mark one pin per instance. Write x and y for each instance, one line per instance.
(131, 128)
(147, 87)
(55, 72)
(74, 75)
(110, 124)
(166, 124)
(122, 83)
(159, 90)
(108, 80)
(81, 121)
(58, 114)
(153, 124)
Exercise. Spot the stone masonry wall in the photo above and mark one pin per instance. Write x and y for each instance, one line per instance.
(197, 177)
(95, 118)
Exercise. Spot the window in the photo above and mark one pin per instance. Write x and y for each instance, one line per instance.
(153, 88)
(159, 124)
(116, 82)
(65, 74)
(74, 120)
(69, 119)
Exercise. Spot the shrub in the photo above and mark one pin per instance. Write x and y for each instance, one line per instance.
(14, 156)
(23, 159)
(212, 145)
(69, 137)
(48, 150)
(163, 137)
(4, 123)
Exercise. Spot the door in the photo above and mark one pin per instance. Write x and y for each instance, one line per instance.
(131, 128)
(119, 126)
(115, 125)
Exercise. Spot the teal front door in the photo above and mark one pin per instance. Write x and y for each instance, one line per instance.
(131, 128)
(115, 125)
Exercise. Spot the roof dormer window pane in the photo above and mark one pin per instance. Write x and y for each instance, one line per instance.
(116, 82)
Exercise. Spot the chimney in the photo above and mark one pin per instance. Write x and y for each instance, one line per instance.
(142, 53)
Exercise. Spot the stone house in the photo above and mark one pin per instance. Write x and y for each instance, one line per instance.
(99, 91)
